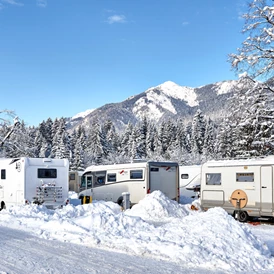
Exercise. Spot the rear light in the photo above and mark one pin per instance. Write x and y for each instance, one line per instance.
(148, 191)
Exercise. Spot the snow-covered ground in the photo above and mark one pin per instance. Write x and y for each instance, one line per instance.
(155, 236)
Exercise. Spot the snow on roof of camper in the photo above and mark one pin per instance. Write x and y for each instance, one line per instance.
(126, 165)
(268, 160)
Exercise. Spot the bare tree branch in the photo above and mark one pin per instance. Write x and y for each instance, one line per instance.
(256, 56)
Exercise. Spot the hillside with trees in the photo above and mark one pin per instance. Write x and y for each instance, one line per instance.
(245, 130)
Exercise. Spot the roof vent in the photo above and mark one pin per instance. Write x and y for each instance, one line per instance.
(47, 160)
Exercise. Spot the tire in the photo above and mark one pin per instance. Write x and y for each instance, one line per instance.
(3, 205)
(243, 216)
(120, 201)
(82, 199)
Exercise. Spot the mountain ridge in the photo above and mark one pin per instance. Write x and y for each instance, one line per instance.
(165, 101)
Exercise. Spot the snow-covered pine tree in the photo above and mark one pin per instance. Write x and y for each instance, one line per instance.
(209, 141)
(38, 139)
(108, 130)
(73, 140)
(247, 128)
(95, 143)
(198, 134)
(223, 147)
(48, 131)
(61, 141)
(46, 137)
(125, 143)
(150, 140)
(79, 157)
(260, 118)
(20, 143)
(162, 140)
(142, 140)
(27, 135)
(133, 142)
(45, 149)
(78, 149)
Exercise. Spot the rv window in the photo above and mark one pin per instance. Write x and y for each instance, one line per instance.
(244, 177)
(100, 181)
(112, 177)
(213, 178)
(3, 174)
(45, 173)
(83, 182)
(184, 176)
(72, 176)
(136, 174)
(89, 181)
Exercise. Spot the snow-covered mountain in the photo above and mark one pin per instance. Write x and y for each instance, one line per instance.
(82, 114)
(160, 100)
(165, 101)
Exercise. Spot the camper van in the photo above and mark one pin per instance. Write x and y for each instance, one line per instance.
(75, 180)
(108, 182)
(33, 180)
(244, 187)
(190, 177)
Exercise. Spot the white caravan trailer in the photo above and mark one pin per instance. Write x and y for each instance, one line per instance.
(33, 180)
(108, 182)
(239, 186)
(190, 180)
(75, 180)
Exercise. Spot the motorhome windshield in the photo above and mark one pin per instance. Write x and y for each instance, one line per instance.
(86, 180)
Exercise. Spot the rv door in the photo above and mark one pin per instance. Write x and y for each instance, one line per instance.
(165, 179)
(266, 190)
(86, 181)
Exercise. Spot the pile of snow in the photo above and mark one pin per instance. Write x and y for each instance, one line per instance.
(156, 227)
(158, 208)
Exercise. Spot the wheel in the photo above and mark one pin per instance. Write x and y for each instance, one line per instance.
(243, 216)
(82, 199)
(120, 201)
(3, 206)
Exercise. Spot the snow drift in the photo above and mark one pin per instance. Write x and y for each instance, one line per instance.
(156, 227)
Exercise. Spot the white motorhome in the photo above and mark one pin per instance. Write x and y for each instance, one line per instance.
(239, 186)
(75, 180)
(190, 177)
(33, 180)
(108, 182)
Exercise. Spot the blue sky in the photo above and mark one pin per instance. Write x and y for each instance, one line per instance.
(61, 57)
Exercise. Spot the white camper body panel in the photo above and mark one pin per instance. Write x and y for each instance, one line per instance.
(108, 182)
(190, 178)
(26, 180)
(219, 180)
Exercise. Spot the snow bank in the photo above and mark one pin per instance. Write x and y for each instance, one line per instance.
(156, 227)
